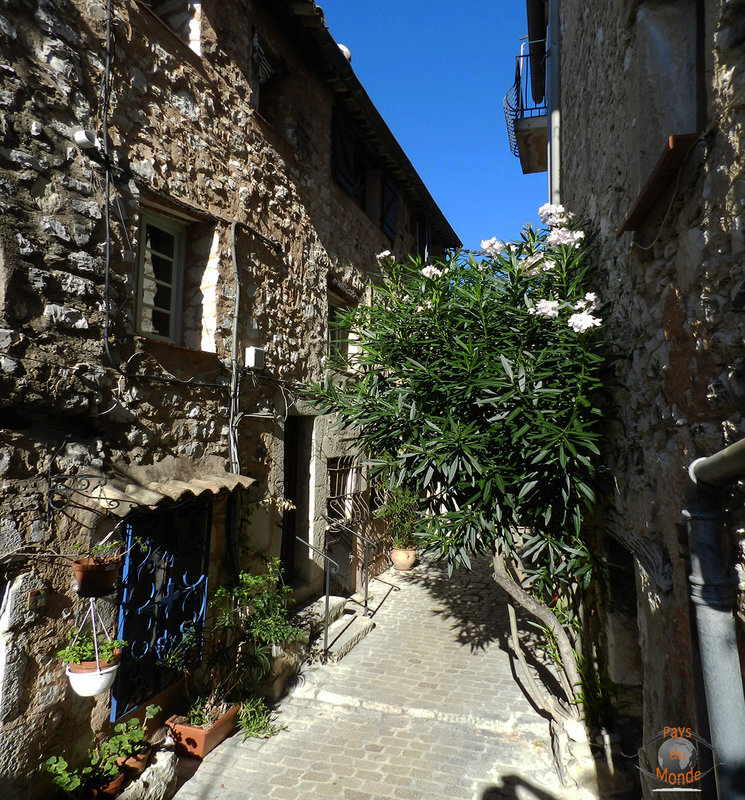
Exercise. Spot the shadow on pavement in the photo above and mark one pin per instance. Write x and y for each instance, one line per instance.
(471, 599)
(513, 787)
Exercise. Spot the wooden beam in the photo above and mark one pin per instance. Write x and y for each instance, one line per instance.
(667, 165)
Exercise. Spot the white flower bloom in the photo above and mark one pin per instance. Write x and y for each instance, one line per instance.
(583, 321)
(592, 300)
(384, 254)
(563, 236)
(431, 272)
(492, 247)
(546, 308)
(554, 215)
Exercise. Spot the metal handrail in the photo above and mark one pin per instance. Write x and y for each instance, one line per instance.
(334, 567)
(368, 543)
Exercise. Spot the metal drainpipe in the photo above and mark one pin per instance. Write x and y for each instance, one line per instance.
(553, 97)
(713, 592)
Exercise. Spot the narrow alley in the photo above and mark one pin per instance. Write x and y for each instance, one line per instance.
(426, 706)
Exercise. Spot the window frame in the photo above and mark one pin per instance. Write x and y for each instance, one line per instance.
(179, 231)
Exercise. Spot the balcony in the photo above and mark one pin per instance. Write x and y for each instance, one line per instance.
(525, 108)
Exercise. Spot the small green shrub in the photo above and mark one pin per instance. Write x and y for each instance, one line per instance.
(257, 721)
(83, 648)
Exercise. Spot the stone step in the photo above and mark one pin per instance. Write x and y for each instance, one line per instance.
(347, 632)
(310, 616)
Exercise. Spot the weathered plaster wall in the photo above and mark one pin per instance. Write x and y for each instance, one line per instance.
(673, 289)
(184, 142)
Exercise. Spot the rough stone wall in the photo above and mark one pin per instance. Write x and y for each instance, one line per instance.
(185, 142)
(673, 288)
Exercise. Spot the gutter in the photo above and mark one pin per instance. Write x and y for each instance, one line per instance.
(713, 591)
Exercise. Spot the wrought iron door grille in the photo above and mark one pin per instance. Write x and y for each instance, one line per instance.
(163, 594)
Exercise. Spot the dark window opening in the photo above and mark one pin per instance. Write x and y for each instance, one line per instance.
(355, 169)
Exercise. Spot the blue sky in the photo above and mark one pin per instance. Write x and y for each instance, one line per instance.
(437, 72)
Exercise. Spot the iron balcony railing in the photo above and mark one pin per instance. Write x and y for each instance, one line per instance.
(526, 97)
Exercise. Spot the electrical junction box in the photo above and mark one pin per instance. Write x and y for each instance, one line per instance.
(254, 358)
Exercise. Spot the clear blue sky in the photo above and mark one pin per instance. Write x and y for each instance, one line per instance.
(437, 72)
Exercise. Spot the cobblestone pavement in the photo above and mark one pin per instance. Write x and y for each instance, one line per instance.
(425, 707)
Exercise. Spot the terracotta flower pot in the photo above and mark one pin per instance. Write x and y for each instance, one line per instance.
(198, 742)
(90, 678)
(96, 577)
(403, 558)
(135, 765)
(110, 789)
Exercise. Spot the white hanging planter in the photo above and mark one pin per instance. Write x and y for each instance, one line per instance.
(91, 678)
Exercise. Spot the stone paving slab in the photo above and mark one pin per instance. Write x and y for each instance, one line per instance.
(426, 706)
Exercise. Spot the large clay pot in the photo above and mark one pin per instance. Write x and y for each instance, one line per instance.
(403, 559)
(198, 742)
(96, 577)
(90, 678)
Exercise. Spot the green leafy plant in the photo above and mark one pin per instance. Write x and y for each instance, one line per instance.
(105, 759)
(223, 662)
(474, 382)
(255, 720)
(400, 510)
(83, 648)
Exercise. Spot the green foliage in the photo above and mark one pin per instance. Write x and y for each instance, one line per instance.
(255, 720)
(400, 510)
(83, 649)
(224, 661)
(478, 379)
(127, 740)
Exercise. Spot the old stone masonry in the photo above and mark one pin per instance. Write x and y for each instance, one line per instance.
(426, 706)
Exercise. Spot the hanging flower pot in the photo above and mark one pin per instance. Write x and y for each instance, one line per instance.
(90, 678)
(96, 575)
(92, 661)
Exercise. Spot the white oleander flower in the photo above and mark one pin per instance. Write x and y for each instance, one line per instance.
(546, 308)
(431, 272)
(563, 236)
(383, 255)
(583, 321)
(492, 247)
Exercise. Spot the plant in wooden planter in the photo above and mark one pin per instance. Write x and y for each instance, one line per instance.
(92, 661)
(223, 663)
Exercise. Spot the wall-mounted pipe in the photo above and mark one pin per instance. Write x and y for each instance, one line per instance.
(714, 593)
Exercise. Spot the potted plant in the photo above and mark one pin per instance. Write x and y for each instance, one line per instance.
(107, 768)
(224, 662)
(92, 661)
(97, 572)
(400, 511)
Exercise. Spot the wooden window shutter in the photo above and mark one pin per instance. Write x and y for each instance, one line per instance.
(389, 215)
(343, 160)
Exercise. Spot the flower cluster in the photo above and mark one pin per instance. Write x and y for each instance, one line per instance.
(554, 215)
(557, 218)
(564, 236)
(546, 308)
(431, 272)
(492, 247)
(583, 320)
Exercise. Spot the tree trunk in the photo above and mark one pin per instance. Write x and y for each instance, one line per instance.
(546, 617)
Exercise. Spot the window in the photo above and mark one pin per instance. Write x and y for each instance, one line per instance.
(160, 284)
(355, 169)
(346, 499)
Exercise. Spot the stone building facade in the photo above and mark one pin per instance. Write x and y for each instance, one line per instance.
(646, 137)
(188, 194)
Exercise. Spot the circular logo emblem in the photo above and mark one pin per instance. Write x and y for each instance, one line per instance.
(677, 755)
